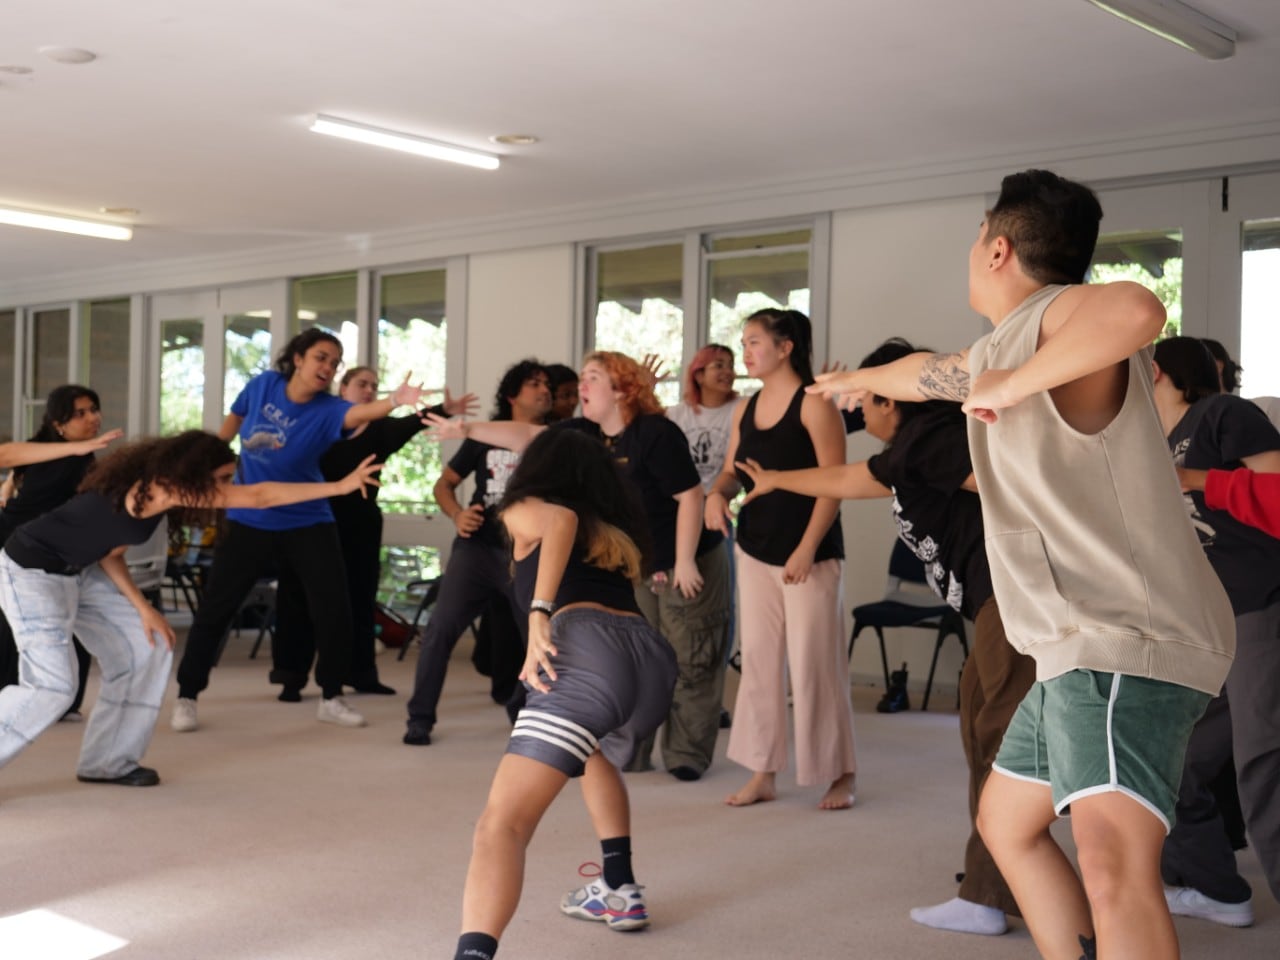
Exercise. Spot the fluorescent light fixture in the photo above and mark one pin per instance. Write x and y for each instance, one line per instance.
(307, 315)
(47, 221)
(1177, 23)
(404, 142)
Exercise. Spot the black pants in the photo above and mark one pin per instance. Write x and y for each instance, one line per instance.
(360, 539)
(307, 561)
(476, 574)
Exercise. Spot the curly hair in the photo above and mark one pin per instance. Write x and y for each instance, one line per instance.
(628, 378)
(692, 392)
(183, 464)
(512, 383)
(574, 470)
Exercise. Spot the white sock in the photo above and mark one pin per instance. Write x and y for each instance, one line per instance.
(962, 916)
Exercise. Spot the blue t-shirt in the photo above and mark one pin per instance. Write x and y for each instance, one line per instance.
(282, 441)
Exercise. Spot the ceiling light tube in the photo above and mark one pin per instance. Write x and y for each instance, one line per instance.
(1177, 23)
(405, 142)
(47, 221)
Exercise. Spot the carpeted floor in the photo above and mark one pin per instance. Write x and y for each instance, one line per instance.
(274, 837)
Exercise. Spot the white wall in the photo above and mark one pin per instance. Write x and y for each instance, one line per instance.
(897, 271)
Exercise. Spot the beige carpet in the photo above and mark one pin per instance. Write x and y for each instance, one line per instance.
(273, 836)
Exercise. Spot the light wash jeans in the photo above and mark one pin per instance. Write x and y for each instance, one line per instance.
(44, 610)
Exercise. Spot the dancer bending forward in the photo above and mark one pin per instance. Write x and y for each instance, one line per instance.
(600, 679)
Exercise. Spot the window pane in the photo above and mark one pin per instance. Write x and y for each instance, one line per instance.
(8, 329)
(106, 358)
(50, 353)
(761, 241)
(1260, 310)
(181, 374)
(639, 308)
(246, 351)
(1151, 259)
(329, 302)
(742, 285)
(412, 332)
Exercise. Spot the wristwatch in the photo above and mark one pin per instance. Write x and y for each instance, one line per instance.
(542, 606)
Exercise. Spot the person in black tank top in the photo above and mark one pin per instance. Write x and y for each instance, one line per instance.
(65, 571)
(600, 680)
(790, 554)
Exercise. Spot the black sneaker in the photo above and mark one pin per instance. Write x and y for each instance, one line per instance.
(417, 734)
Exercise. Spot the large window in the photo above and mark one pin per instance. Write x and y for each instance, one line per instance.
(8, 373)
(412, 332)
(330, 302)
(749, 273)
(50, 351)
(640, 307)
(104, 363)
(1151, 259)
(639, 295)
(181, 374)
(246, 345)
(1260, 309)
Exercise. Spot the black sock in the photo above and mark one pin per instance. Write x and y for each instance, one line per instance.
(616, 852)
(476, 946)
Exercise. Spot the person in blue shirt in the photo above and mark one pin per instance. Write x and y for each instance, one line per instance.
(286, 418)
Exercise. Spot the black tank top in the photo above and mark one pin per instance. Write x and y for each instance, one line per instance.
(581, 582)
(80, 532)
(771, 527)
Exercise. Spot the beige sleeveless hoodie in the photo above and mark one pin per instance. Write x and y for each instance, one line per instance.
(1093, 558)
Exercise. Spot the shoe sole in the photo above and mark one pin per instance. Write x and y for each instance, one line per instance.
(581, 913)
(1223, 920)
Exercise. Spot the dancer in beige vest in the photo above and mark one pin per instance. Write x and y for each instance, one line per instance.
(1097, 572)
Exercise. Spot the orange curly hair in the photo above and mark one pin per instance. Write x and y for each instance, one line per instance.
(628, 378)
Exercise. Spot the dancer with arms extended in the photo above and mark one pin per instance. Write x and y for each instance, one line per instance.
(1097, 578)
(65, 572)
(599, 678)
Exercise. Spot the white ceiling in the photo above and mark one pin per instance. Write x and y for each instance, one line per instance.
(196, 112)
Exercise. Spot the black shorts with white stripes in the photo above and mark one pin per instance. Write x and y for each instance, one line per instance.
(614, 679)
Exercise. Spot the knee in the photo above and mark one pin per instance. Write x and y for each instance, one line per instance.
(1103, 874)
(498, 830)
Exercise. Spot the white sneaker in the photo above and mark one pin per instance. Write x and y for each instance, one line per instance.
(621, 909)
(335, 710)
(184, 715)
(1190, 902)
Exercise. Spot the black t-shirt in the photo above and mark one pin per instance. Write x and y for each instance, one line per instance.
(44, 486)
(654, 455)
(941, 523)
(80, 532)
(493, 467)
(1218, 432)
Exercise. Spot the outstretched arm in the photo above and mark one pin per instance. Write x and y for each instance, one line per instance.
(260, 496)
(22, 453)
(404, 395)
(843, 481)
(916, 377)
(508, 434)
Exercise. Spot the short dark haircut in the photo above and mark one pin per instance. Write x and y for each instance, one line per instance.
(1230, 369)
(512, 383)
(1188, 363)
(559, 374)
(59, 407)
(789, 325)
(895, 348)
(299, 345)
(1051, 223)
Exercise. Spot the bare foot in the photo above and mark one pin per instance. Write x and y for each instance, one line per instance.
(759, 789)
(839, 795)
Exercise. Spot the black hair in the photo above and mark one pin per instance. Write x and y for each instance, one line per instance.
(1230, 369)
(299, 345)
(789, 325)
(558, 374)
(512, 383)
(182, 463)
(574, 470)
(1050, 222)
(895, 348)
(1187, 362)
(59, 407)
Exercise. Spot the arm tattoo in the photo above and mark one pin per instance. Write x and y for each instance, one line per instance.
(945, 376)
